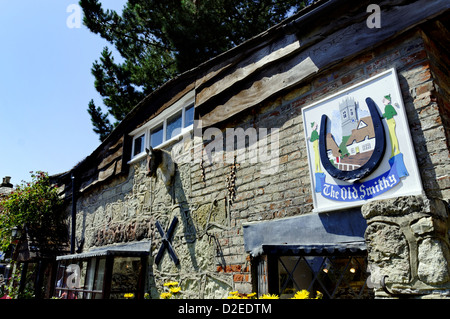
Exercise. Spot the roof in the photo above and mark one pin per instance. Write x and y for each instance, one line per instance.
(138, 249)
(261, 68)
(350, 248)
(307, 234)
(361, 131)
(331, 145)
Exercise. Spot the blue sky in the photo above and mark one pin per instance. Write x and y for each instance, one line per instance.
(45, 87)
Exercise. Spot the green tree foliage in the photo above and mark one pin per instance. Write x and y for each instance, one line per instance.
(160, 39)
(37, 206)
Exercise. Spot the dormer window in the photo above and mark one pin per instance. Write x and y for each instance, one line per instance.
(164, 128)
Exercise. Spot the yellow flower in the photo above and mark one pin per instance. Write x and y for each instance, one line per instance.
(269, 296)
(171, 283)
(129, 295)
(175, 290)
(303, 294)
(165, 295)
(319, 295)
(234, 297)
(237, 295)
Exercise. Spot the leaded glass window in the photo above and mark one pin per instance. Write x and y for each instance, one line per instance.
(334, 276)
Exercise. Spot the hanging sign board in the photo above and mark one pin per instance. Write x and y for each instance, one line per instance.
(359, 146)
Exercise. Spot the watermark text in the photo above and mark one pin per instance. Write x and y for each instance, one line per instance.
(236, 145)
(374, 19)
(73, 21)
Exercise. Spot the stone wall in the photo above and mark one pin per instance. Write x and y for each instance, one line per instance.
(127, 210)
(408, 246)
(212, 200)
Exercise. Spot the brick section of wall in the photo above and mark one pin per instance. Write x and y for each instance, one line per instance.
(287, 193)
(439, 67)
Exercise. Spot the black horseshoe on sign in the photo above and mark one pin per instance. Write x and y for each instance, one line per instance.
(371, 164)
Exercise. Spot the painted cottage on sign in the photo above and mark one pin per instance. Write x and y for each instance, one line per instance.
(362, 139)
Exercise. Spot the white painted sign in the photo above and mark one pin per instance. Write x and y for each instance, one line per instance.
(359, 146)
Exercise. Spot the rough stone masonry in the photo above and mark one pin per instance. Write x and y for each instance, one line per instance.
(407, 241)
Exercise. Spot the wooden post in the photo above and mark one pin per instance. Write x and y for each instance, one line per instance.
(108, 277)
(23, 277)
(272, 277)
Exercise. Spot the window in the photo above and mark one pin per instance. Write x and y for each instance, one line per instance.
(103, 277)
(125, 277)
(167, 126)
(335, 276)
(156, 136)
(138, 145)
(344, 114)
(91, 279)
(366, 147)
(189, 116)
(173, 127)
(107, 272)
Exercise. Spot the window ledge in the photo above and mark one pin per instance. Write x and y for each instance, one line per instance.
(137, 158)
(177, 137)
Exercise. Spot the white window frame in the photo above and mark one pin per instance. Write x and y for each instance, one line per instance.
(181, 105)
(134, 144)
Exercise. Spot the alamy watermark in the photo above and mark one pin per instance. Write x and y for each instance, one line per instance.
(73, 280)
(74, 20)
(374, 20)
(236, 145)
(213, 146)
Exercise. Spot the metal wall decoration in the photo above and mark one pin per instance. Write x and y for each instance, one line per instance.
(375, 158)
(359, 145)
(167, 242)
(231, 182)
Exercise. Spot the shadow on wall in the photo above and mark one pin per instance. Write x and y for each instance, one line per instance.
(161, 167)
(423, 157)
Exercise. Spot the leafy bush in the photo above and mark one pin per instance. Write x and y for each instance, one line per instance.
(37, 207)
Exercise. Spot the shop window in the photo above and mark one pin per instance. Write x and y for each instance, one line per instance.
(125, 277)
(336, 277)
(109, 277)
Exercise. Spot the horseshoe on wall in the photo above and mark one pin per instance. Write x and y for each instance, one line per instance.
(371, 164)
